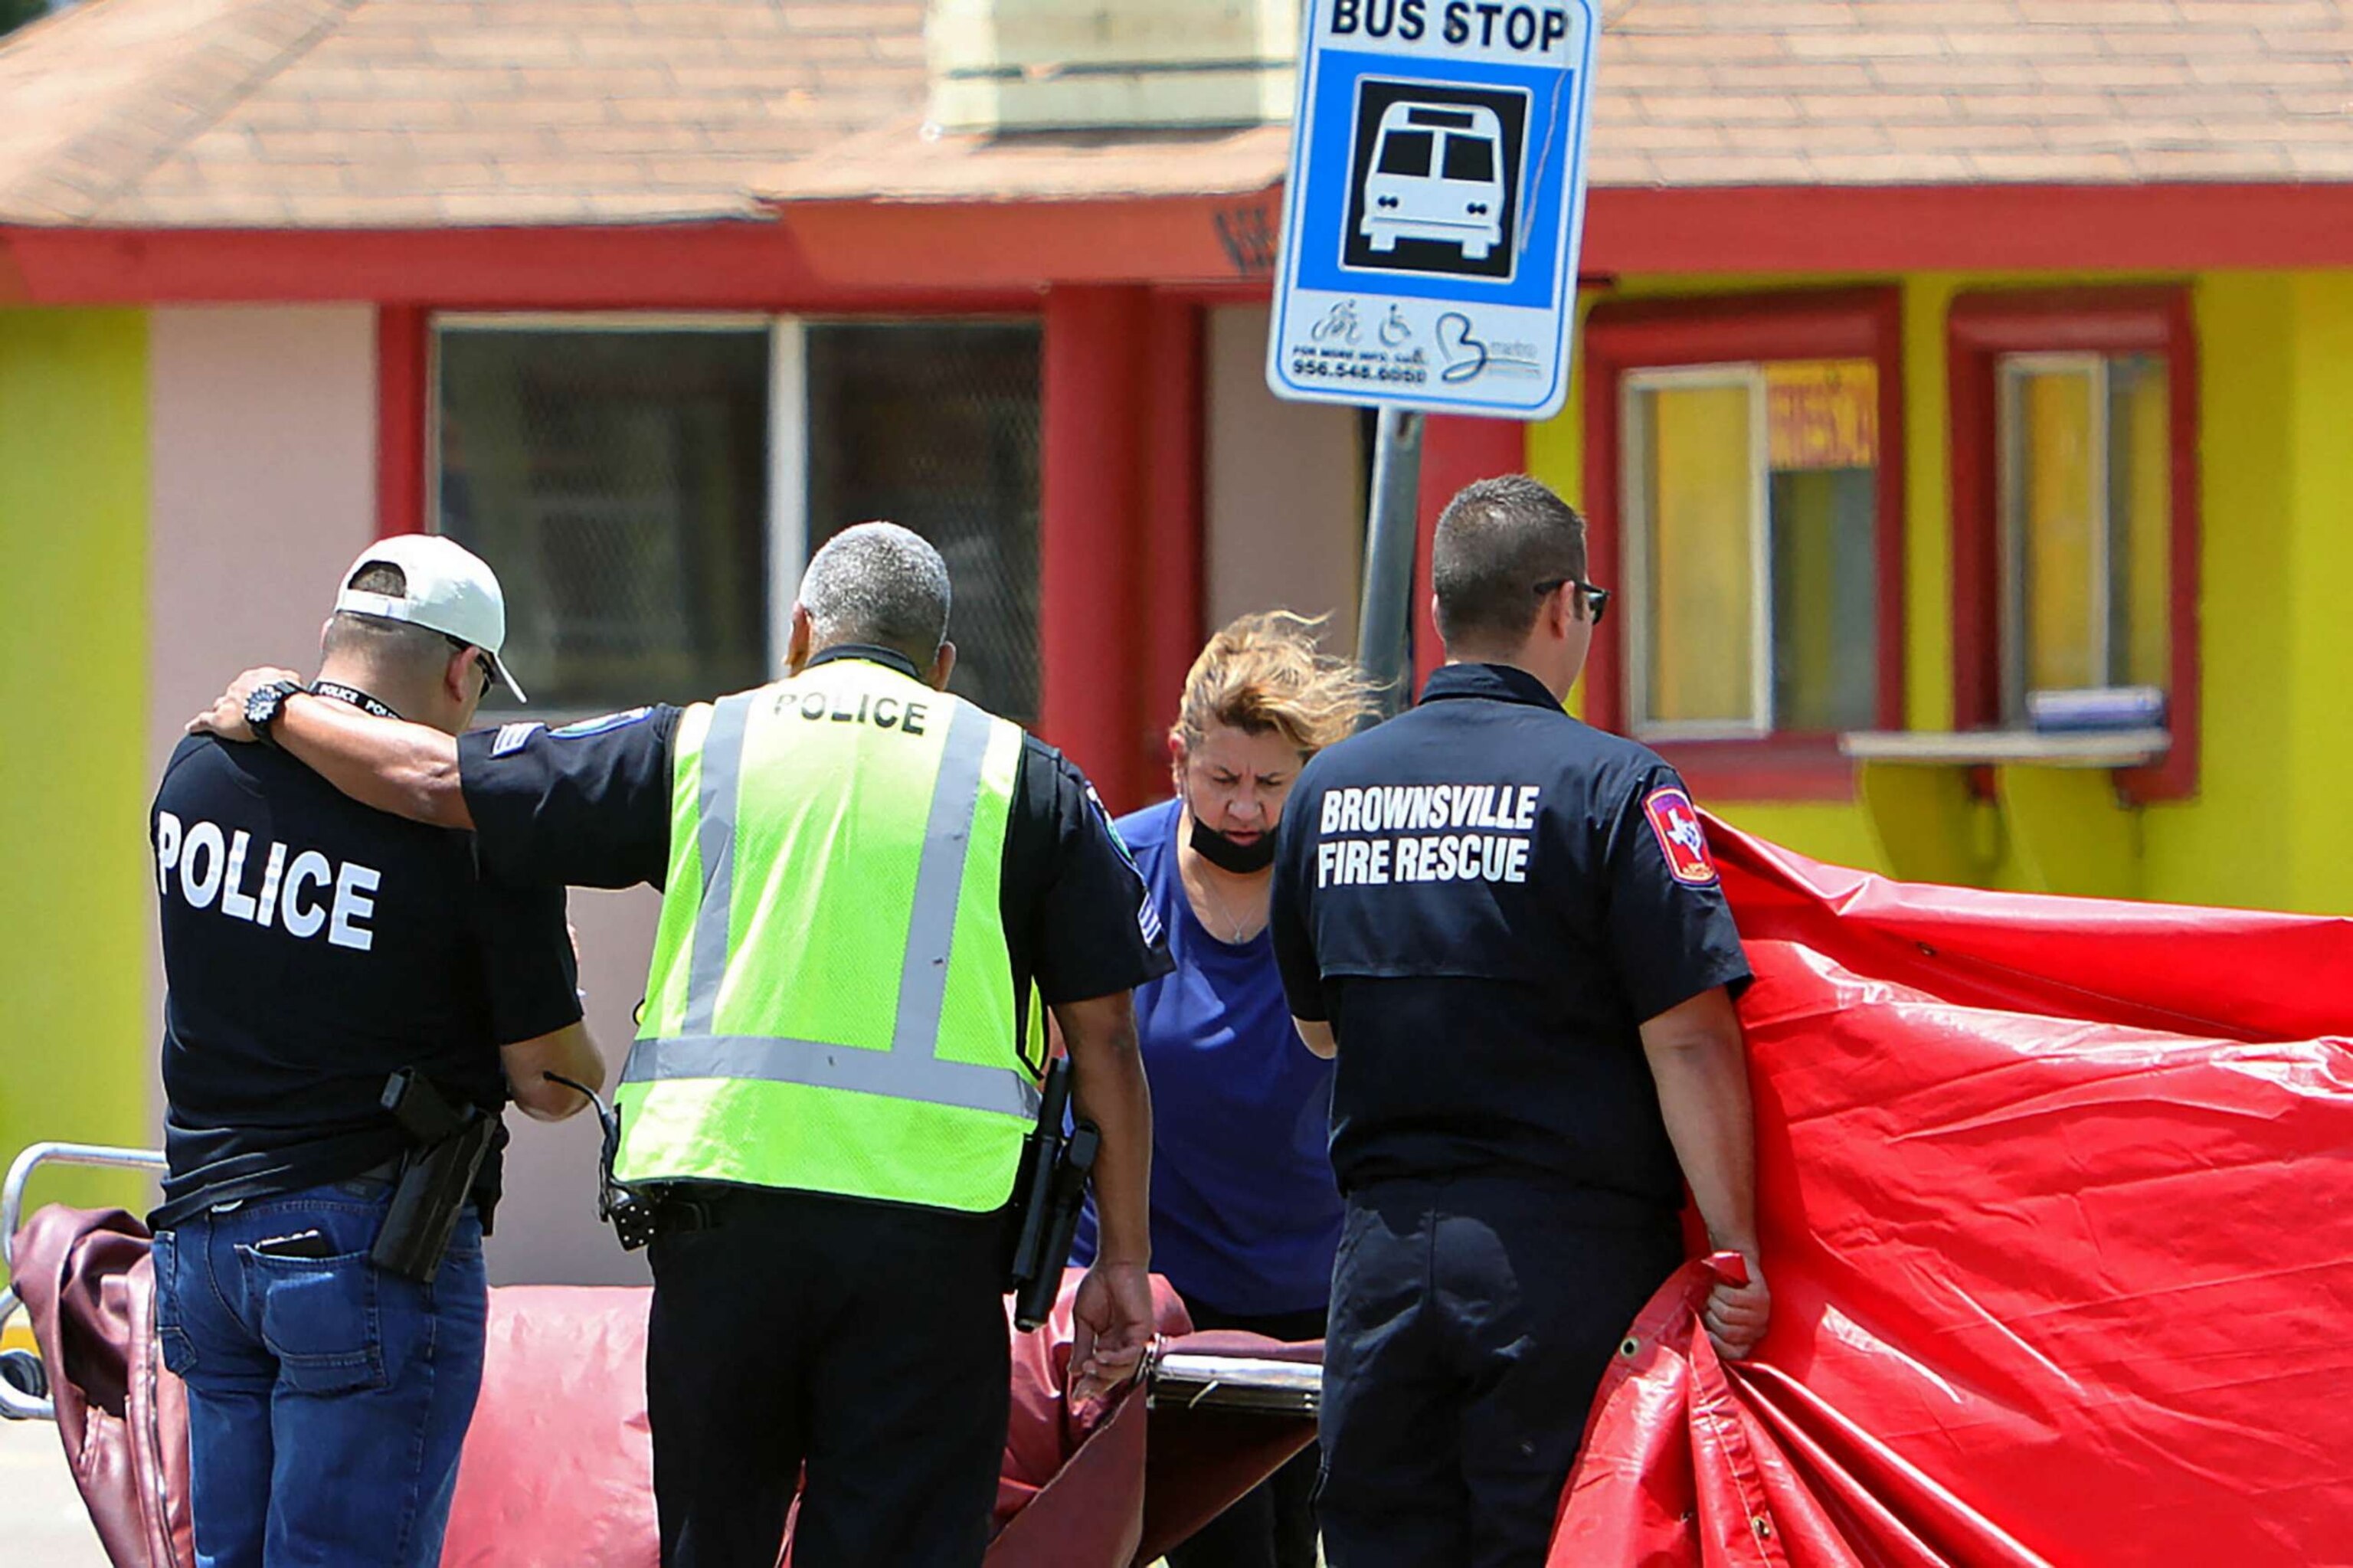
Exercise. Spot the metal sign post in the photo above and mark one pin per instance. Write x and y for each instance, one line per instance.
(1385, 613)
(1431, 220)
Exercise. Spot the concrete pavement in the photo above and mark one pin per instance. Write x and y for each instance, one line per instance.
(42, 1524)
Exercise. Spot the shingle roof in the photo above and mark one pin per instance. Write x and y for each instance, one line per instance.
(336, 113)
(430, 112)
(1929, 92)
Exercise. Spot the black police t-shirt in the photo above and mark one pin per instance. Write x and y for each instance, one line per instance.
(1487, 899)
(311, 947)
(590, 804)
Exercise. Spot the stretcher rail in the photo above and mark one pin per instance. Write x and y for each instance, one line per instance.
(16, 1403)
(1236, 1382)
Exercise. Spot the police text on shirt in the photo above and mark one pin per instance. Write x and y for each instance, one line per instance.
(1413, 833)
(293, 890)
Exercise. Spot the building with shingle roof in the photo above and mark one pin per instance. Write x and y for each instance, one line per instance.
(1950, 373)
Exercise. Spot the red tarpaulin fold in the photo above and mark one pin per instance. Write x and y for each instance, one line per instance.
(2052, 1200)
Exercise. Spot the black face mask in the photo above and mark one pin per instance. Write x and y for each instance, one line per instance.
(1241, 860)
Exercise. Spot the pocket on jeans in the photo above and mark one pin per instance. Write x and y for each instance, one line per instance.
(170, 1336)
(319, 1318)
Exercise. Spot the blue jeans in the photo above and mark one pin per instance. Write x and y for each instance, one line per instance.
(327, 1399)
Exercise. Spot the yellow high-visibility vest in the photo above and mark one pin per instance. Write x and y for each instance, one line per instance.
(830, 1007)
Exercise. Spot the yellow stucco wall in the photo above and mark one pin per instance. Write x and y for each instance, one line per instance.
(2269, 826)
(2316, 839)
(76, 1054)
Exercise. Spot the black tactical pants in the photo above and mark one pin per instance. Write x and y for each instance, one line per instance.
(865, 1342)
(1472, 1322)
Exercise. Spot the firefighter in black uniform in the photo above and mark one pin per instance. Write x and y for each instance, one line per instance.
(1507, 927)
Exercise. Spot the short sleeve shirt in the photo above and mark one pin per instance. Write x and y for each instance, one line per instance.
(1245, 1216)
(311, 947)
(590, 804)
(1486, 899)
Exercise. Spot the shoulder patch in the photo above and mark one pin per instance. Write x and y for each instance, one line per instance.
(1102, 813)
(1682, 840)
(582, 729)
(513, 738)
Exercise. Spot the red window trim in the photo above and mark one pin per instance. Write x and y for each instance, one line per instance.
(1623, 336)
(1979, 329)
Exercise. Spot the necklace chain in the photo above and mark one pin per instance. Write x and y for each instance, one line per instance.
(1240, 934)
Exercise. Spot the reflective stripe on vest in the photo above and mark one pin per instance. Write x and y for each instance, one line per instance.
(701, 1057)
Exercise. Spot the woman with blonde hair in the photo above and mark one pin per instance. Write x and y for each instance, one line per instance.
(1245, 1214)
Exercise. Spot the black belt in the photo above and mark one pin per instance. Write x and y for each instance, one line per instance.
(385, 1173)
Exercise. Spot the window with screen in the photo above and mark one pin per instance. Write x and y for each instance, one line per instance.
(935, 425)
(1751, 511)
(616, 478)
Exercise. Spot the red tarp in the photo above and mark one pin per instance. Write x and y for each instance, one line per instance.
(2052, 1200)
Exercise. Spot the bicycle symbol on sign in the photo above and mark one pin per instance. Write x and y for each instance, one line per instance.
(1339, 324)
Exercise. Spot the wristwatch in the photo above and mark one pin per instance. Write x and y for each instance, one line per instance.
(262, 708)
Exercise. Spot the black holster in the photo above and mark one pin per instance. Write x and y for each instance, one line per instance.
(635, 1217)
(1048, 1190)
(447, 1146)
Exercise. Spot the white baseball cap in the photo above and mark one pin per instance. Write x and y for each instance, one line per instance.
(451, 590)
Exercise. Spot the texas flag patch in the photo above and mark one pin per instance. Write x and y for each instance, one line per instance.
(1681, 838)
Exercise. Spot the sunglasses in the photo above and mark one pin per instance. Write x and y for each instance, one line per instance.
(481, 663)
(1597, 599)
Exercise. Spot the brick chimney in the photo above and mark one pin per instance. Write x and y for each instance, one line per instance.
(1126, 65)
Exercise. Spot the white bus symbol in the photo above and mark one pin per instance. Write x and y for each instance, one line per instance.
(1437, 173)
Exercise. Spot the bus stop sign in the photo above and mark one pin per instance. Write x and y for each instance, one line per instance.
(1436, 196)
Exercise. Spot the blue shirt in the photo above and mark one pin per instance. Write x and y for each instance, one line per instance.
(1245, 1214)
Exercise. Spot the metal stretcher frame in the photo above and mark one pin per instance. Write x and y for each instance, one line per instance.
(1190, 1380)
(15, 1404)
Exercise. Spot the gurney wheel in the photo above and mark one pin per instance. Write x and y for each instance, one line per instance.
(23, 1372)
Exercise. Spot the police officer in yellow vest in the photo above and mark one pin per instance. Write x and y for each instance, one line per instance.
(867, 883)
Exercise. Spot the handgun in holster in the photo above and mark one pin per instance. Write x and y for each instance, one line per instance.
(447, 1146)
(1047, 1194)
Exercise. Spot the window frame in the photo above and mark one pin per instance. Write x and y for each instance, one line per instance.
(786, 527)
(785, 551)
(1626, 337)
(1984, 328)
(1631, 385)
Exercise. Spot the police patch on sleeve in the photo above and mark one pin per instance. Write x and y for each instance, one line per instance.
(1102, 814)
(1682, 840)
(512, 737)
(1148, 914)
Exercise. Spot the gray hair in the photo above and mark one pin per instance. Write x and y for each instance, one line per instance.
(882, 584)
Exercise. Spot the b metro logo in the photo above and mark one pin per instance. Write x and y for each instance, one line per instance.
(1682, 840)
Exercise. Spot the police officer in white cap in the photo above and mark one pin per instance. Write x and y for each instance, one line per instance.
(313, 949)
